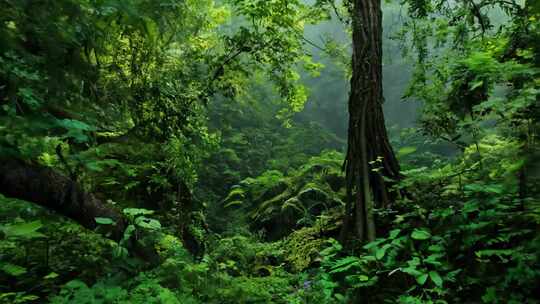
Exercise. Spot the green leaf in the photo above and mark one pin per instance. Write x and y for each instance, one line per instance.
(137, 211)
(379, 254)
(76, 129)
(120, 252)
(345, 264)
(490, 189)
(490, 295)
(394, 233)
(420, 234)
(436, 248)
(422, 279)
(76, 284)
(51, 275)
(147, 223)
(412, 271)
(233, 203)
(104, 221)
(436, 278)
(24, 230)
(28, 97)
(28, 298)
(495, 252)
(13, 270)
(130, 229)
(373, 244)
(434, 259)
(476, 84)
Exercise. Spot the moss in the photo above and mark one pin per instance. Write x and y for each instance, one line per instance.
(303, 247)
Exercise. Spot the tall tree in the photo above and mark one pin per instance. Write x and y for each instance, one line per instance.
(370, 160)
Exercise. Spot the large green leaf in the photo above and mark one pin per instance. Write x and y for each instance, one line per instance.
(104, 221)
(147, 223)
(420, 234)
(394, 233)
(421, 279)
(27, 230)
(436, 278)
(130, 229)
(345, 264)
(381, 252)
(412, 271)
(13, 270)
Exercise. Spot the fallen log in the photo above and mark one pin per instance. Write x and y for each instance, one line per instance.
(50, 189)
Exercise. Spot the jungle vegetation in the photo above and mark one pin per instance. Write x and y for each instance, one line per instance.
(269, 151)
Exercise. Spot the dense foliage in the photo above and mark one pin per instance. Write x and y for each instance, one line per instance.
(160, 152)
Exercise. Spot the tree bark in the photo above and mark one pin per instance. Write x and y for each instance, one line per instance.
(50, 189)
(370, 162)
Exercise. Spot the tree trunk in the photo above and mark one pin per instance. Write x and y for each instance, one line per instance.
(370, 160)
(52, 190)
